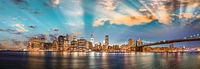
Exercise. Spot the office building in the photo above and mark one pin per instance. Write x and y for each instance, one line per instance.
(131, 42)
(106, 40)
(92, 39)
(61, 40)
(82, 43)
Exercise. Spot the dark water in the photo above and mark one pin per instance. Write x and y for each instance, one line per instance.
(98, 60)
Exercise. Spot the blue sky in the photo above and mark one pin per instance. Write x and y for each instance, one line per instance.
(149, 20)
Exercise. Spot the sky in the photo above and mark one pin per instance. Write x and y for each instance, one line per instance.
(148, 20)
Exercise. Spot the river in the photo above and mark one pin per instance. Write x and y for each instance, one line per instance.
(98, 60)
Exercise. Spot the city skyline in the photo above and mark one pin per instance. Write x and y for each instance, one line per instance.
(148, 20)
(99, 34)
(73, 44)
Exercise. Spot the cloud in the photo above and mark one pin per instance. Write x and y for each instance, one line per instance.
(100, 21)
(192, 23)
(127, 20)
(74, 10)
(11, 31)
(6, 30)
(22, 4)
(55, 29)
(55, 2)
(185, 15)
(45, 4)
(41, 35)
(20, 28)
(108, 4)
(18, 33)
(75, 26)
(4, 44)
(188, 15)
(52, 36)
(165, 19)
(198, 16)
(32, 26)
(37, 12)
(76, 33)
(132, 20)
(13, 44)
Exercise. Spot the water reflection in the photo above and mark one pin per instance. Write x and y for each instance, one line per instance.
(102, 60)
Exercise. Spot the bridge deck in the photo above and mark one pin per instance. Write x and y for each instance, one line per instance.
(171, 41)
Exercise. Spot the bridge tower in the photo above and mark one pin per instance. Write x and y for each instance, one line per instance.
(137, 46)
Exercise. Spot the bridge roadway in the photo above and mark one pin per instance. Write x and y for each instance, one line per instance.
(170, 41)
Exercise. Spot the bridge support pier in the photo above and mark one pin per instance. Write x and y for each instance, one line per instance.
(139, 49)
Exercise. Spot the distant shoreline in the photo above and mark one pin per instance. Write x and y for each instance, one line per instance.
(106, 52)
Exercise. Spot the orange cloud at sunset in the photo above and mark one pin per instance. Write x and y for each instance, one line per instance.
(132, 20)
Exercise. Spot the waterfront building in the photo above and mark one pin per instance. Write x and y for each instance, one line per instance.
(116, 47)
(43, 38)
(82, 43)
(124, 47)
(106, 42)
(35, 44)
(48, 46)
(96, 47)
(148, 49)
(66, 43)
(109, 47)
(67, 38)
(131, 43)
(70, 38)
(104, 47)
(61, 41)
(164, 49)
(157, 49)
(74, 42)
(55, 45)
(90, 46)
(92, 39)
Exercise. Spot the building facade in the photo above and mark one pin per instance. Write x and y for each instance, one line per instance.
(92, 39)
(131, 43)
(35, 44)
(55, 45)
(61, 40)
(82, 43)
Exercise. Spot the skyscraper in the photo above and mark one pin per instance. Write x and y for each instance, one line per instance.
(131, 42)
(67, 37)
(74, 42)
(55, 45)
(92, 39)
(66, 42)
(61, 40)
(106, 40)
